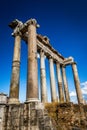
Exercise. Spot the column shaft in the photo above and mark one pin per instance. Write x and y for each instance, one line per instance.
(14, 86)
(32, 78)
(77, 83)
(43, 78)
(61, 94)
(65, 85)
(52, 81)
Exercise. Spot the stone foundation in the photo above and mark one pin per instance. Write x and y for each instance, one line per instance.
(37, 116)
(26, 116)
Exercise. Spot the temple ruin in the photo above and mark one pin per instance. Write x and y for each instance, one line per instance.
(22, 116)
(39, 44)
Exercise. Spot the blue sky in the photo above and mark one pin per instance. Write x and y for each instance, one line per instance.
(63, 21)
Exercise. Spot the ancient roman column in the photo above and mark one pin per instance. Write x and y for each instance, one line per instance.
(60, 88)
(65, 85)
(52, 81)
(14, 85)
(32, 77)
(43, 77)
(77, 83)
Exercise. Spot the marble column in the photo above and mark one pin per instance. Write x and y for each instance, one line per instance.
(14, 85)
(43, 77)
(52, 81)
(77, 83)
(60, 88)
(67, 98)
(32, 77)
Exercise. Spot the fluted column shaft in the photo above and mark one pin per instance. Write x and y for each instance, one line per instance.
(65, 85)
(52, 81)
(32, 78)
(61, 94)
(14, 86)
(77, 83)
(43, 77)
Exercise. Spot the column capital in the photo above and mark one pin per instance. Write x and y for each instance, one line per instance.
(41, 51)
(64, 66)
(74, 63)
(42, 54)
(32, 22)
(16, 25)
(16, 32)
(57, 62)
(50, 57)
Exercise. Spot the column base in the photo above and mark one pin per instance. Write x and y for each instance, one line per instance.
(35, 103)
(13, 101)
(32, 100)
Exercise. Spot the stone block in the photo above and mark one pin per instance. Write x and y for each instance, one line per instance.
(3, 98)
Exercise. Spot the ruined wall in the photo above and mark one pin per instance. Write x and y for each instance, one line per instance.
(68, 116)
(26, 116)
(2, 116)
(3, 101)
(34, 116)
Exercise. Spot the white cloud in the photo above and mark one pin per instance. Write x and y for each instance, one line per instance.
(84, 88)
(72, 94)
(84, 84)
(38, 55)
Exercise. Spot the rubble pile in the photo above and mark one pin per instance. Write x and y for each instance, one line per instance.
(68, 116)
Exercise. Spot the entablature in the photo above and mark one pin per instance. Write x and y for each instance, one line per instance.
(43, 42)
(46, 47)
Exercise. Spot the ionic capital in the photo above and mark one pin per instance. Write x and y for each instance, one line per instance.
(16, 25)
(32, 22)
(57, 62)
(50, 58)
(46, 39)
(42, 52)
(16, 34)
(63, 65)
(74, 63)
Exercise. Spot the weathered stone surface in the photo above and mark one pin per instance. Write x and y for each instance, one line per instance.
(32, 77)
(77, 83)
(14, 85)
(3, 98)
(43, 77)
(52, 81)
(27, 116)
(67, 97)
(60, 84)
(68, 116)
